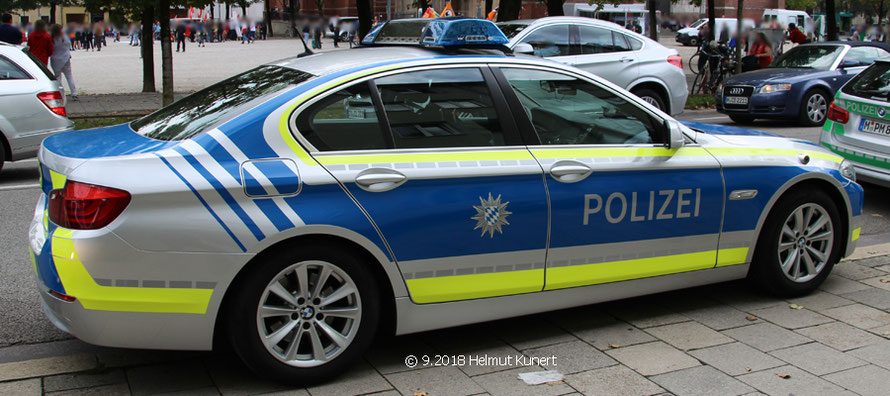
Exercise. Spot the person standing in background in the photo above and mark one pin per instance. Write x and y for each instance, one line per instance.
(180, 36)
(40, 44)
(8, 33)
(61, 58)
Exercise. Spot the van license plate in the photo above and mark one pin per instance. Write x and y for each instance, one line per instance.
(878, 128)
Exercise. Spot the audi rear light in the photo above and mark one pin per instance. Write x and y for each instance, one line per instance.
(676, 60)
(837, 114)
(54, 101)
(82, 206)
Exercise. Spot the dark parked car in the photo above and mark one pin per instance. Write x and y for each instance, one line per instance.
(799, 84)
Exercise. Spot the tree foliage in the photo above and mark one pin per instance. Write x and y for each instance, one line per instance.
(802, 5)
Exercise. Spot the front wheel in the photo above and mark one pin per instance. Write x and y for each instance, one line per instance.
(304, 314)
(799, 245)
(814, 108)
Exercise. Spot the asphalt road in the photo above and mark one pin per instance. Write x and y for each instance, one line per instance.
(22, 318)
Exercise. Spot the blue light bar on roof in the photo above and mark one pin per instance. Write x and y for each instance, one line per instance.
(462, 32)
(369, 38)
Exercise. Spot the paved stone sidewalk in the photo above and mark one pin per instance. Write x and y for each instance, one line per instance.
(721, 339)
(115, 104)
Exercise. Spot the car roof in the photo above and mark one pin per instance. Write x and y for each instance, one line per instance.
(324, 63)
(580, 20)
(877, 44)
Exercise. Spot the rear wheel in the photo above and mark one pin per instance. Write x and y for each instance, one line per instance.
(650, 97)
(2, 153)
(814, 108)
(693, 41)
(799, 245)
(304, 314)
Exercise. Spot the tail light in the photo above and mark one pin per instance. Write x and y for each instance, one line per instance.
(837, 114)
(54, 101)
(676, 60)
(63, 297)
(82, 206)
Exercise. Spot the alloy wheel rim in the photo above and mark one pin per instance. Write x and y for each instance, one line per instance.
(817, 107)
(652, 101)
(309, 314)
(805, 243)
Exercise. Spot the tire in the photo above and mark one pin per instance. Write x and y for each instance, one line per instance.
(2, 153)
(651, 97)
(304, 316)
(693, 63)
(741, 119)
(814, 108)
(693, 41)
(781, 239)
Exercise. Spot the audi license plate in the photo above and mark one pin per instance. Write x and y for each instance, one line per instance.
(736, 100)
(875, 127)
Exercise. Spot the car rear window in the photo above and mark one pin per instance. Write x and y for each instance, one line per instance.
(512, 29)
(199, 111)
(873, 82)
(40, 65)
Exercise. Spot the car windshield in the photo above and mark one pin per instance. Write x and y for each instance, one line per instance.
(401, 32)
(873, 83)
(698, 23)
(218, 102)
(512, 29)
(809, 57)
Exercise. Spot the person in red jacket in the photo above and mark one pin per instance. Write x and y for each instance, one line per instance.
(795, 35)
(40, 44)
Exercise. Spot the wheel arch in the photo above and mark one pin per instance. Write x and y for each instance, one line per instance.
(655, 85)
(6, 147)
(815, 85)
(386, 274)
(820, 181)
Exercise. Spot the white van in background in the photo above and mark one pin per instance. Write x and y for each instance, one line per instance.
(782, 17)
(689, 35)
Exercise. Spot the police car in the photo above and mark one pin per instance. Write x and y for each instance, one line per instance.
(262, 210)
(858, 125)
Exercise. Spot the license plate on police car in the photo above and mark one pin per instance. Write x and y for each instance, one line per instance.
(875, 127)
(737, 100)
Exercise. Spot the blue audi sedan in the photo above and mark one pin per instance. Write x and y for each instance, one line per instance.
(799, 84)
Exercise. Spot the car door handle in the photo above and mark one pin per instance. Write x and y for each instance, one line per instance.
(379, 179)
(569, 171)
(626, 59)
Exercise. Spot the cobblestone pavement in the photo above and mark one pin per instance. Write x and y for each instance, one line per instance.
(722, 339)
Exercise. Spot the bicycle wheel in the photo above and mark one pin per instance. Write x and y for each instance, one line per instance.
(693, 63)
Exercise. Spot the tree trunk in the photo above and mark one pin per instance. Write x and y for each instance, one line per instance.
(243, 12)
(488, 6)
(52, 13)
(212, 8)
(554, 8)
(227, 12)
(319, 4)
(267, 18)
(293, 18)
(712, 24)
(652, 22)
(364, 18)
(148, 55)
(738, 41)
(423, 5)
(509, 10)
(166, 52)
(831, 20)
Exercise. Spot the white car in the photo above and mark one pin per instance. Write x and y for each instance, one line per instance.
(32, 104)
(632, 61)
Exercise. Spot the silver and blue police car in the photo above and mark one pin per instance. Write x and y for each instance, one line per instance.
(299, 207)
(858, 125)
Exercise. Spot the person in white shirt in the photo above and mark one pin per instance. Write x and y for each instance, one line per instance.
(60, 60)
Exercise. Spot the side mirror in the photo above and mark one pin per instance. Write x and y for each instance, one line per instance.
(675, 134)
(523, 48)
(849, 63)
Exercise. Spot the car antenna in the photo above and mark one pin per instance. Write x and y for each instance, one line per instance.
(306, 50)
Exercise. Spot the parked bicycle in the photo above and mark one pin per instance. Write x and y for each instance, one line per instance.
(712, 64)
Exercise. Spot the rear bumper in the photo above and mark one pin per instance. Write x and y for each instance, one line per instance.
(26, 146)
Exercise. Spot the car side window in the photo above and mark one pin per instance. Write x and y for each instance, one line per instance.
(568, 110)
(440, 108)
(596, 40)
(9, 71)
(344, 120)
(864, 55)
(549, 40)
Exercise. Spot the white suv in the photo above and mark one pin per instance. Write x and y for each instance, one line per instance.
(32, 104)
(627, 59)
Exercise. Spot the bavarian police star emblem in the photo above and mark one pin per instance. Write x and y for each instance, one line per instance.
(491, 215)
